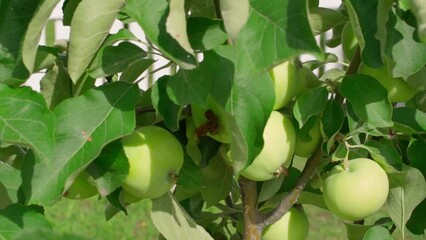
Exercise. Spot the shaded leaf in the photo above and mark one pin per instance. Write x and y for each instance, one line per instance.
(332, 119)
(416, 223)
(416, 153)
(56, 85)
(368, 99)
(173, 222)
(323, 19)
(190, 176)
(386, 155)
(309, 104)
(409, 120)
(10, 180)
(68, 9)
(90, 25)
(205, 33)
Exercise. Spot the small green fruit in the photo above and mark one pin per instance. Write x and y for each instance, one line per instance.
(308, 138)
(279, 140)
(355, 193)
(294, 225)
(285, 78)
(81, 188)
(155, 158)
(398, 89)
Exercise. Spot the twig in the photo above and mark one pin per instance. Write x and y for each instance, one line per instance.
(154, 71)
(252, 218)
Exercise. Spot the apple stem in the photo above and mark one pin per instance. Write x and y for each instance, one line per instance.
(291, 198)
(173, 177)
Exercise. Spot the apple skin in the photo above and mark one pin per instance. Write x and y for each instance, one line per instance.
(349, 41)
(279, 140)
(398, 89)
(285, 79)
(81, 188)
(357, 192)
(222, 133)
(294, 225)
(308, 138)
(155, 159)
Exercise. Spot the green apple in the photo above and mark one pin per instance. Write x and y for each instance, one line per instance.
(155, 159)
(128, 198)
(357, 192)
(308, 138)
(210, 120)
(285, 79)
(294, 225)
(81, 187)
(279, 141)
(398, 89)
(349, 41)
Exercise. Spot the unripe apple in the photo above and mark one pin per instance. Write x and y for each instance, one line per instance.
(398, 89)
(285, 78)
(349, 41)
(355, 193)
(308, 138)
(210, 120)
(155, 159)
(279, 140)
(128, 198)
(81, 188)
(294, 225)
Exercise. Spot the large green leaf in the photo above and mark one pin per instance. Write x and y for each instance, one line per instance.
(377, 232)
(152, 16)
(15, 218)
(90, 25)
(332, 119)
(33, 34)
(84, 125)
(173, 222)
(15, 17)
(56, 85)
(368, 98)
(26, 120)
(407, 55)
(409, 120)
(276, 30)
(235, 14)
(406, 192)
(416, 153)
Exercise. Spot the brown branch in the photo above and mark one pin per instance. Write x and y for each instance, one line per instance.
(355, 62)
(289, 200)
(252, 217)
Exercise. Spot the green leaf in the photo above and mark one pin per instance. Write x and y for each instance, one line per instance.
(274, 32)
(46, 234)
(416, 223)
(368, 98)
(190, 176)
(217, 179)
(324, 19)
(26, 120)
(110, 169)
(132, 73)
(68, 9)
(85, 124)
(386, 155)
(115, 59)
(270, 188)
(173, 222)
(205, 34)
(33, 34)
(309, 104)
(235, 14)
(332, 119)
(416, 153)
(10, 181)
(201, 8)
(176, 24)
(406, 192)
(15, 218)
(164, 105)
(193, 86)
(15, 17)
(151, 15)
(251, 105)
(56, 85)
(362, 14)
(409, 120)
(407, 55)
(356, 231)
(45, 57)
(90, 25)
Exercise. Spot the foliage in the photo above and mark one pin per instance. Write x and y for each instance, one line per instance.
(89, 100)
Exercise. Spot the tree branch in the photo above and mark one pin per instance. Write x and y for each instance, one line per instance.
(288, 201)
(252, 217)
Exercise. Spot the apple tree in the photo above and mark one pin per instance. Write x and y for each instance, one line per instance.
(255, 118)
